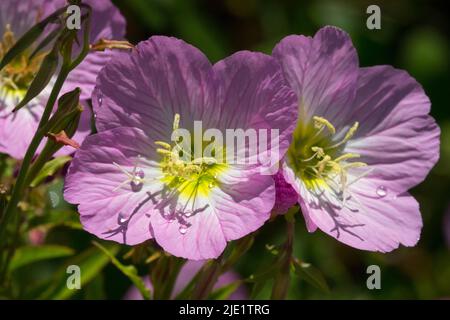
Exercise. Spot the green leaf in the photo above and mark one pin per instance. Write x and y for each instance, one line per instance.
(311, 275)
(30, 254)
(129, 271)
(42, 78)
(95, 290)
(226, 291)
(257, 288)
(187, 290)
(90, 263)
(56, 218)
(49, 169)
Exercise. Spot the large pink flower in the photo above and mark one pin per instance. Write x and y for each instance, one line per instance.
(16, 17)
(363, 138)
(129, 191)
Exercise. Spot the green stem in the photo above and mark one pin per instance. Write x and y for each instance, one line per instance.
(35, 142)
(20, 185)
(3, 165)
(10, 251)
(67, 67)
(207, 281)
(282, 280)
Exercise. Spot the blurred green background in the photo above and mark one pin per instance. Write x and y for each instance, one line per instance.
(414, 36)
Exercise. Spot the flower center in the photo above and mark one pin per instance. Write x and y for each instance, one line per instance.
(16, 77)
(190, 176)
(317, 155)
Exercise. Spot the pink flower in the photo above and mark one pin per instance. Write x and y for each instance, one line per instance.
(128, 184)
(16, 17)
(363, 138)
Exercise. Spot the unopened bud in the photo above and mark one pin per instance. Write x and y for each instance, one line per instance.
(63, 139)
(104, 44)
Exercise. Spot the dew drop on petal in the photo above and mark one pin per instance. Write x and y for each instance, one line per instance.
(381, 191)
(100, 100)
(121, 218)
(140, 173)
(182, 229)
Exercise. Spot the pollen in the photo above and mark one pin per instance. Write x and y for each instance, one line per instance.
(185, 173)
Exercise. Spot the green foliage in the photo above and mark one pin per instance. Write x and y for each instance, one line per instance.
(31, 254)
(49, 169)
(129, 271)
(90, 263)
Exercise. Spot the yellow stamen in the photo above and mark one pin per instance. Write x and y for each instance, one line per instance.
(347, 137)
(163, 144)
(164, 151)
(176, 122)
(319, 122)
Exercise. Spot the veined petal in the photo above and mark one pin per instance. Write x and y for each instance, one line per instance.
(199, 227)
(17, 130)
(243, 207)
(370, 222)
(146, 87)
(110, 208)
(198, 237)
(252, 94)
(323, 71)
(396, 137)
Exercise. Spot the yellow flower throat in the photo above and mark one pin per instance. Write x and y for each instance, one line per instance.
(189, 176)
(318, 159)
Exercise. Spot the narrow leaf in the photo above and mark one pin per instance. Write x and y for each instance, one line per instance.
(311, 275)
(226, 291)
(90, 263)
(129, 271)
(31, 254)
(29, 38)
(49, 169)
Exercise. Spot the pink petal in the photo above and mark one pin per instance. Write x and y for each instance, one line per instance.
(92, 179)
(145, 88)
(322, 70)
(370, 221)
(396, 137)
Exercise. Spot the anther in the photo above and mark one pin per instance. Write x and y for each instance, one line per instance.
(163, 144)
(319, 122)
(176, 121)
